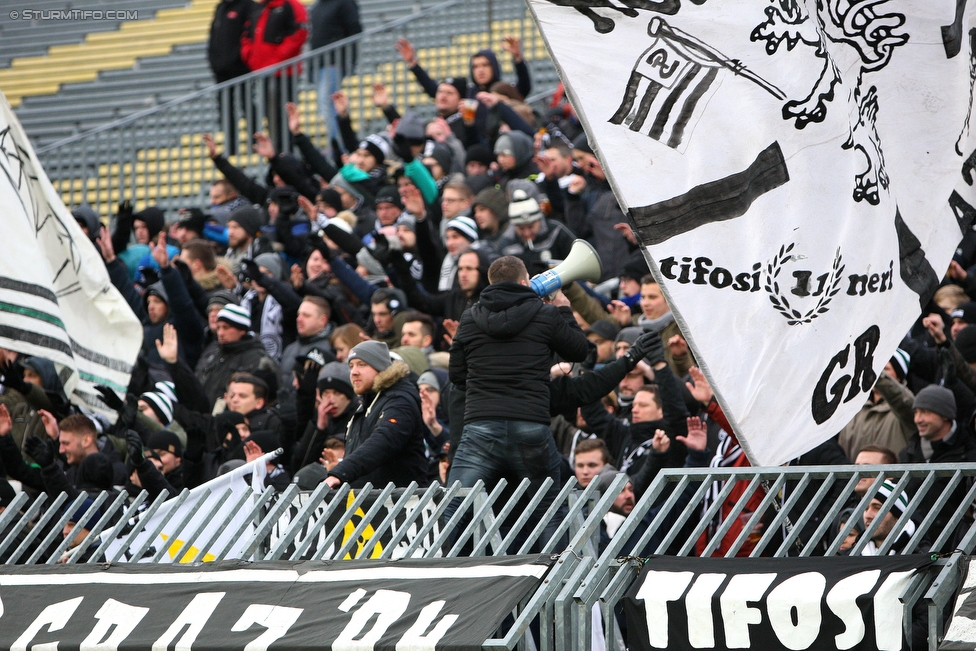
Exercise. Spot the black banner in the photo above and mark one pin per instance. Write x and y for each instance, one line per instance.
(961, 632)
(342, 605)
(770, 603)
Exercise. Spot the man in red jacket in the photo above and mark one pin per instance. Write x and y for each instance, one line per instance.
(274, 33)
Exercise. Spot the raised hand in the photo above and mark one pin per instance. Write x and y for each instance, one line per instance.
(935, 326)
(50, 424)
(678, 346)
(294, 118)
(6, 421)
(701, 390)
(105, 244)
(169, 347)
(159, 252)
(697, 438)
(341, 104)
(13, 375)
(513, 46)
(661, 443)
(133, 445)
(208, 140)
(381, 97)
(263, 145)
(407, 53)
(38, 450)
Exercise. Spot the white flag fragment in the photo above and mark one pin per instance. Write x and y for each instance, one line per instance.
(208, 504)
(56, 299)
(799, 173)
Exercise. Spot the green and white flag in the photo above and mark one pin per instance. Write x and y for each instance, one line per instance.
(56, 299)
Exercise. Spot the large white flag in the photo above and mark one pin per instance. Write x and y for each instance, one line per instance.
(799, 172)
(56, 299)
(208, 508)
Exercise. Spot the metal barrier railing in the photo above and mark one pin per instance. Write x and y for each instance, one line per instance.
(156, 156)
(800, 506)
(322, 525)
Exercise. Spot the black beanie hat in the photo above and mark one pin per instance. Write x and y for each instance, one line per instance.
(966, 343)
(249, 218)
(193, 219)
(165, 440)
(95, 473)
(266, 440)
(480, 153)
(460, 85)
(331, 198)
(389, 194)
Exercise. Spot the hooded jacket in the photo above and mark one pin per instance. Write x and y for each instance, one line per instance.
(224, 46)
(502, 353)
(274, 35)
(450, 304)
(385, 439)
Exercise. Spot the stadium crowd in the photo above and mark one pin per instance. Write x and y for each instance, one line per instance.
(366, 311)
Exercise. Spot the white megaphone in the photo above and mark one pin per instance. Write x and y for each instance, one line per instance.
(582, 263)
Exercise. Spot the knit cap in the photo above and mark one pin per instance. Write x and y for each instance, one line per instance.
(374, 353)
(937, 399)
(236, 316)
(466, 226)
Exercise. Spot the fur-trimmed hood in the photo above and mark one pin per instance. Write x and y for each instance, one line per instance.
(387, 378)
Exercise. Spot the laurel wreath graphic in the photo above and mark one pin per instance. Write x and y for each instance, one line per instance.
(782, 304)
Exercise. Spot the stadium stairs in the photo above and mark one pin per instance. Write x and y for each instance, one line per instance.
(164, 63)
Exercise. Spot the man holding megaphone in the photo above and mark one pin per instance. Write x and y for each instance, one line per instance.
(501, 356)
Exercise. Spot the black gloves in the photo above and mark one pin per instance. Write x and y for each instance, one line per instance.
(308, 373)
(401, 147)
(110, 398)
(250, 271)
(13, 376)
(381, 249)
(133, 445)
(126, 410)
(648, 345)
(125, 209)
(38, 450)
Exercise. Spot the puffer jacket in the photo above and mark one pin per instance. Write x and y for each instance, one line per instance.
(385, 439)
(502, 353)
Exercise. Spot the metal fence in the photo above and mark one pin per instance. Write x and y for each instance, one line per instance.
(157, 156)
(677, 515)
(800, 507)
(325, 525)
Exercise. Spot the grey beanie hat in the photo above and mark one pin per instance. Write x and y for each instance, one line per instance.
(629, 335)
(606, 476)
(374, 353)
(338, 181)
(271, 262)
(937, 399)
(430, 379)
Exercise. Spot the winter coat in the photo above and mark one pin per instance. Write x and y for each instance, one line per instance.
(334, 20)
(220, 361)
(553, 242)
(502, 353)
(309, 448)
(888, 423)
(224, 46)
(275, 34)
(958, 447)
(385, 439)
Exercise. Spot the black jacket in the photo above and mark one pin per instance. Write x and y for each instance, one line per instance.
(224, 47)
(220, 361)
(309, 448)
(385, 440)
(502, 353)
(959, 447)
(334, 20)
